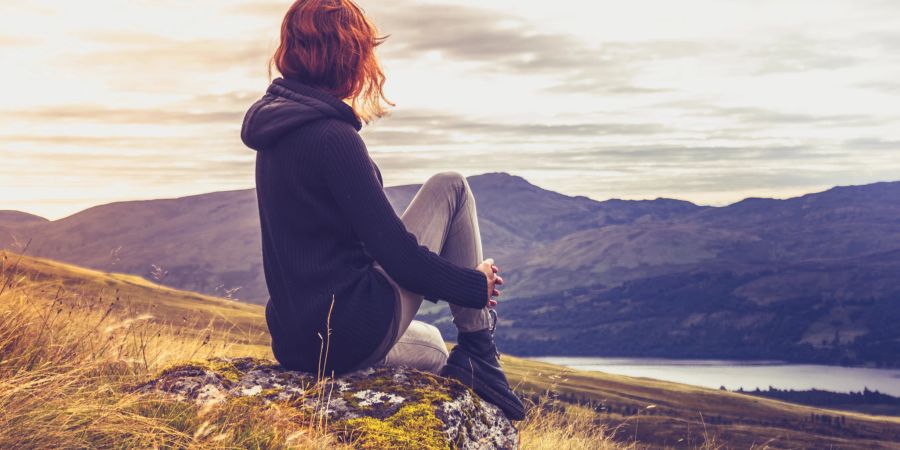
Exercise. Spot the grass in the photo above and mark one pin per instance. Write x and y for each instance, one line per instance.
(550, 426)
(662, 414)
(73, 341)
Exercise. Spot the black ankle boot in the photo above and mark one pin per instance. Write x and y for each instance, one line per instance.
(474, 361)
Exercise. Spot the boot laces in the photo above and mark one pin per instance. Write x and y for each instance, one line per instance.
(494, 319)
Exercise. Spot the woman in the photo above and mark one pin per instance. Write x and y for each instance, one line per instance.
(345, 274)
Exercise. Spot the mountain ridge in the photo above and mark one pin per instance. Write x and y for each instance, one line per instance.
(825, 248)
(470, 178)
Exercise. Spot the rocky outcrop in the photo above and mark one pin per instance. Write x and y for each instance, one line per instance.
(379, 407)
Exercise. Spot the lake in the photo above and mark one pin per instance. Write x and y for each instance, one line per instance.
(746, 374)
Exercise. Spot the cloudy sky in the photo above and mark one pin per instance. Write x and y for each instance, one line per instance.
(709, 101)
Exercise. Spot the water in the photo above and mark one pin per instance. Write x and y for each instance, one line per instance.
(747, 374)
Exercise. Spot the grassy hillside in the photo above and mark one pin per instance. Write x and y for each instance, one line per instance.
(671, 414)
(72, 340)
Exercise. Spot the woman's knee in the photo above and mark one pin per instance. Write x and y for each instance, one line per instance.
(454, 184)
(434, 351)
(448, 178)
(420, 347)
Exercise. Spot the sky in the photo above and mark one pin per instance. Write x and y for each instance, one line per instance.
(706, 101)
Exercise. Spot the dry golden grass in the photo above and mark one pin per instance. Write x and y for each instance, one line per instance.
(71, 352)
(557, 426)
(73, 342)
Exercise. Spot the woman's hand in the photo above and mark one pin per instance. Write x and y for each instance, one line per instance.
(490, 271)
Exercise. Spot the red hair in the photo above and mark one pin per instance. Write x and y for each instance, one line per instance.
(330, 44)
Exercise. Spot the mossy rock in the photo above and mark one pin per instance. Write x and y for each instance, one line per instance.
(375, 408)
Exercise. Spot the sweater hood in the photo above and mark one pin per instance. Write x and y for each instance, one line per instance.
(286, 105)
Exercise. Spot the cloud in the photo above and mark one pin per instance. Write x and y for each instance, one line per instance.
(422, 127)
(759, 118)
(794, 52)
(887, 87)
(508, 45)
(95, 145)
(763, 116)
(706, 175)
(114, 115)
(15, 41)
(128, 52)
(499, 43)
(709, 114)
(872, 144)
(888, 41)
(260, 8)
(135, 166)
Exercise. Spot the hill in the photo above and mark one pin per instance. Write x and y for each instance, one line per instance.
(18, 218)
(209, 229)
(812, 278)
(134, 327)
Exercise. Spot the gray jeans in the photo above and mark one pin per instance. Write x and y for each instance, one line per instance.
(443, 218)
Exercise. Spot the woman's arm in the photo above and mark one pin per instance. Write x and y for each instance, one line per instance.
(343, 161)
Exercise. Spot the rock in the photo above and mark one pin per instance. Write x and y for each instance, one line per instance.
(380, 407)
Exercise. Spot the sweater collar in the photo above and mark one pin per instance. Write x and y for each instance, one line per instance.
(344, 110)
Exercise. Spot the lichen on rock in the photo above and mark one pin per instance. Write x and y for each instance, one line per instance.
(375, 408)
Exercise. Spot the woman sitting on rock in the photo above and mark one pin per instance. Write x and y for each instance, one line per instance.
(345, 274)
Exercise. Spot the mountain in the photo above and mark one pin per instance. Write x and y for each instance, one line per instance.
(196, 238)
(183, 236)
(812, 278)
(10, 220)
(18, 218)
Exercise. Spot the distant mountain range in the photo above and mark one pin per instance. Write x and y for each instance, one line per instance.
(812, 278)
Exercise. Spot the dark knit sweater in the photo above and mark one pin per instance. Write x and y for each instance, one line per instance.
(325, 220)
